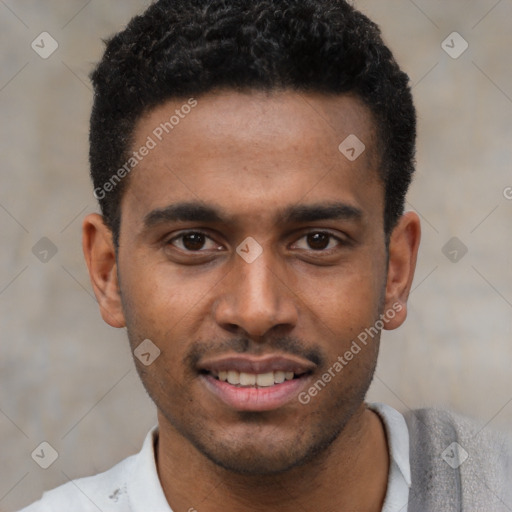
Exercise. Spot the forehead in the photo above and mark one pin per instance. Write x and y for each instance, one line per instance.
(256, 150)
(257, 117)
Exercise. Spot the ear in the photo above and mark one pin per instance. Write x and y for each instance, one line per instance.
(403, 251)
(100, 256)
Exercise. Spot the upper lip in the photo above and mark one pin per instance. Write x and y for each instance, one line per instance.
(257, 365)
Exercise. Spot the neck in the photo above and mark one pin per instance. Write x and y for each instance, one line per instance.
(351, 474)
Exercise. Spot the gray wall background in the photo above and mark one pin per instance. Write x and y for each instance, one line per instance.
(68, 379)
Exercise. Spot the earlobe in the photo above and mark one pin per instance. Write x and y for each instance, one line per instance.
(100, 256)
(403, 251)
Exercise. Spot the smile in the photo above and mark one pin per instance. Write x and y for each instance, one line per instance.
(246, 383)
(262, 380)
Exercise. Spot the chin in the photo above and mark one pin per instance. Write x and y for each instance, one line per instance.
(268, 455)
(255, 462)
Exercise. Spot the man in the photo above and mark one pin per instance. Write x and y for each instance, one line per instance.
(251, 160)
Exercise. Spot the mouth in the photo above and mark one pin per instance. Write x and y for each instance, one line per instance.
(249, 384)
(257, 380)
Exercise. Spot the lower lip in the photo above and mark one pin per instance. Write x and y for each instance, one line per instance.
(252, 398)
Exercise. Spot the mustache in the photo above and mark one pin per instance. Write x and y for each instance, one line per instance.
(243, 345)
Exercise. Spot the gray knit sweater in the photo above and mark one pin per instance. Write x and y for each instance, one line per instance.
(474, 475)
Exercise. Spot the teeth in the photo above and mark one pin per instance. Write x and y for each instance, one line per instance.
(233, 377)
(279, 377)
(265, 379)
(247, 379)
(250, 379)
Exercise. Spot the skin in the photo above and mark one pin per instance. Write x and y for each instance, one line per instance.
(253, 155)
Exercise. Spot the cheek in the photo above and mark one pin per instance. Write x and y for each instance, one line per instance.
(158, 293)
(165, 307)
(348, 300)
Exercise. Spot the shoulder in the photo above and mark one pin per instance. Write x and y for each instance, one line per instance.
(456, 456)
(106, 492)
(131, 484)
(437, 426)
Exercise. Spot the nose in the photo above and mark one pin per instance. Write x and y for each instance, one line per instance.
(256, 297)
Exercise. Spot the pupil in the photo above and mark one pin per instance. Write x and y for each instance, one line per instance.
(194, 241)
(318, 240)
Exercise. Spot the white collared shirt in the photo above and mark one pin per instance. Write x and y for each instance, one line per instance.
(399, 479)
(133, 484)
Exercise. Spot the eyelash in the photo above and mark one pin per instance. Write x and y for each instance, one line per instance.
(318, 251)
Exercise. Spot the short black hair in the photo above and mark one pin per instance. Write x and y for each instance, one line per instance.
(182, 48)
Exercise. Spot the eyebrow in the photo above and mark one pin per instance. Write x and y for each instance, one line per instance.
(199, 212)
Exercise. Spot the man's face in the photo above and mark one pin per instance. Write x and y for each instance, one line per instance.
(269, 166)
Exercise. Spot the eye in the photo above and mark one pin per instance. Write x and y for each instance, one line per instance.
(192, 241)
(320, 241)
(197, 241)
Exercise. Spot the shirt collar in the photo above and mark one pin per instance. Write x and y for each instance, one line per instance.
(144, 488)
(397, 435)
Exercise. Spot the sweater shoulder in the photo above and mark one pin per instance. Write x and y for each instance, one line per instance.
(438, 425)
(460, 458)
